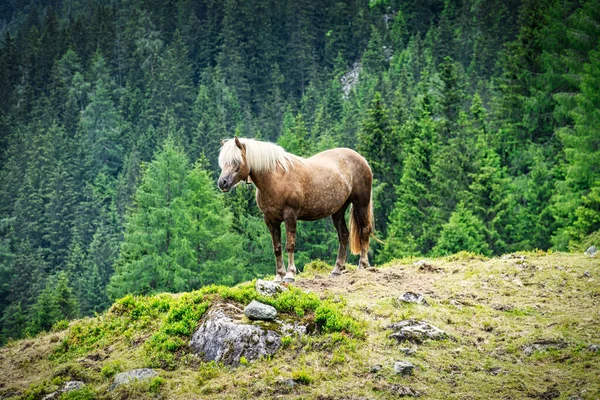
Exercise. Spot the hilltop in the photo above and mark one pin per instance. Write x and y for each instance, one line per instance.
(520, 326)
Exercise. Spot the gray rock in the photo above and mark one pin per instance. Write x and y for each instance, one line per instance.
(67, 387)
(141, 374)
(376, 368)
(291, 329)
(72, 385)
(269, 288)
(350, 79)
(407, 351)
(591, 251)
(415, 331)
(259, 311)
(222, 338)
(543, 345)
(593, 347)
(403, 368)
(410, 297)
(403, 391)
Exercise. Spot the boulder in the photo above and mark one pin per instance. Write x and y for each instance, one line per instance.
(410, 297)
(415, 331)
(223, 337)
(591, 251)
(140, 374)
(403, 368)
(269, 288)
(259, 311)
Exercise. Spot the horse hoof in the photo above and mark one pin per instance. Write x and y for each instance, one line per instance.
(277, 279)
(334, 274)
(288, 280)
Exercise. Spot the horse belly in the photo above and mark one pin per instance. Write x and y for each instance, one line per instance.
(323, 203)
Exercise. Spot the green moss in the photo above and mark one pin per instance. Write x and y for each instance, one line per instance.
(85, 393)
(303, 376)
(330, 317)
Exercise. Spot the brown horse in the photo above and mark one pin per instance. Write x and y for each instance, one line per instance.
(290, 188)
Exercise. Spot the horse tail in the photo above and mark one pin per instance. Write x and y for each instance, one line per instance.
(355, 227)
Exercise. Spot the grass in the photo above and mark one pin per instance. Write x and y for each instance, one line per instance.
(520, 327)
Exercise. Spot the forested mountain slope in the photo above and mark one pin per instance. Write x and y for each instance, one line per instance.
(479, 119)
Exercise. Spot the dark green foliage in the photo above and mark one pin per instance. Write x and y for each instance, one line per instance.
(479, 120)
(464, 231)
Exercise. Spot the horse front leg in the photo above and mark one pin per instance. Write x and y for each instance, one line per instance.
(339, 222)
(290, 245)
(275, 229)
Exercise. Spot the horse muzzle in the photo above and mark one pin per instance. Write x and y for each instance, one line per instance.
(224, 184)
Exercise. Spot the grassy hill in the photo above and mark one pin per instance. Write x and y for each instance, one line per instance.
(519, 326)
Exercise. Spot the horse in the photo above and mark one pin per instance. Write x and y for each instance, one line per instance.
(291, 188)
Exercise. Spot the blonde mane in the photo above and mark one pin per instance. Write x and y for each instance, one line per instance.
(260, 156)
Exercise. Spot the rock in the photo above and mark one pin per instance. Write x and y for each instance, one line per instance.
(407, 351)
(543, 345)
(67, 387)
(140, 374)
(401, 391)
(72, 385)
(350, 79)
(259, 311)
(403, 368)
(222, 338)
(410, 297)
(269, 288)
(290, 329)
(591, 251)
(587, 274)
(593, 347)
(415, 331)
(376, 368)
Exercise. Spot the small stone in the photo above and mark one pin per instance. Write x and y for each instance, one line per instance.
(376, 368)
(415, 331)
(124, 378)
(288, 382)
(410, 297)
(408, 351)
(594, 347)
(591, 251)
(587, 274)
(72, 385)
(259, 311)
(403, 368)
(67, 387)
(269, 288)
(403, 391)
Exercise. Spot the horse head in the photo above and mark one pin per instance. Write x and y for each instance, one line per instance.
(235, 169)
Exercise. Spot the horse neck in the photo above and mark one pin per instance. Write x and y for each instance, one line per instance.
(264, 180)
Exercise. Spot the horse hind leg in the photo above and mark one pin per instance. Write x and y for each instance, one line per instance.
(361, 224)
(339, 222)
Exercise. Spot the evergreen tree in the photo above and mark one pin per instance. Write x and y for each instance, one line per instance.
(463, 232)
(177, 235)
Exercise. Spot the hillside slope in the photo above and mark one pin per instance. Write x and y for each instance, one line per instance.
(519, 326)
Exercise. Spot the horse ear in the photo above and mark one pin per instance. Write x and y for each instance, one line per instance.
(222, 142)
(238, 143)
